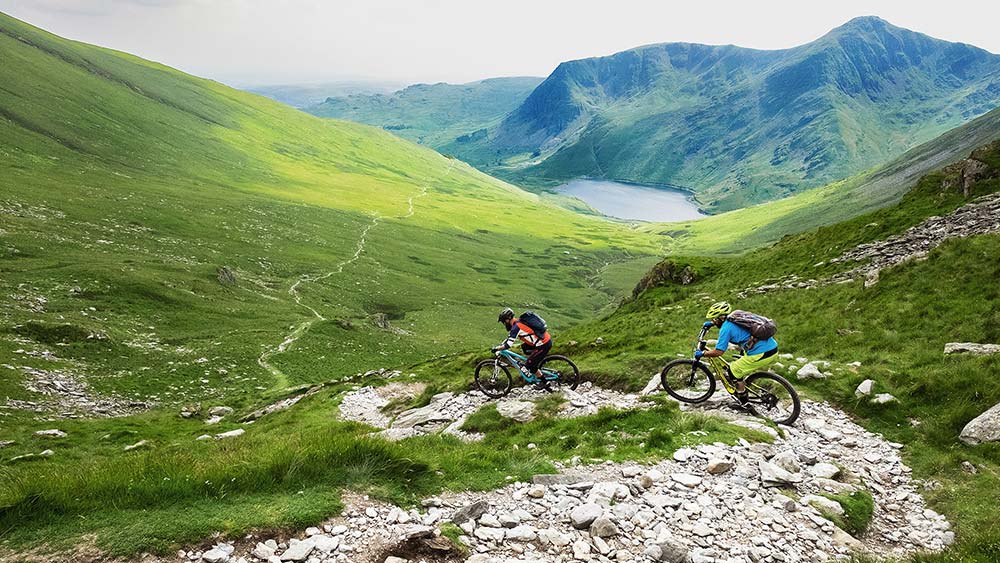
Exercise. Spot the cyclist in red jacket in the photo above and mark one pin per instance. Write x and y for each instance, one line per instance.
(534, 346)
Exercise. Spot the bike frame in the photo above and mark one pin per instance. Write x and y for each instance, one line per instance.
(517, 360)
(716, 364)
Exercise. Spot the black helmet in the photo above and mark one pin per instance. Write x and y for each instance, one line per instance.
(505, 315)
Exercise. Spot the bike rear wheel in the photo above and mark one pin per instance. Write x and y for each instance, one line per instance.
(773, 398)
(688, 380)
(560, 372)
(493, 378)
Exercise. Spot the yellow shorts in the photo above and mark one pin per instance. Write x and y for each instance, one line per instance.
(750, 364)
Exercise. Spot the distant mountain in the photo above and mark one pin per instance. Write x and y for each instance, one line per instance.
(434, 114)
(305, 95)
(741, 126)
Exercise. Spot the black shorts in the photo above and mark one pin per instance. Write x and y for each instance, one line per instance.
(535, 354)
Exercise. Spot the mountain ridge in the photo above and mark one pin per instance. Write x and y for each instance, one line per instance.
(741, 125)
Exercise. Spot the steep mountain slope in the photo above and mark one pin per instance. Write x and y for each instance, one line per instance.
(742, 126)
(737, 231)
(434, 114)
(177, 239)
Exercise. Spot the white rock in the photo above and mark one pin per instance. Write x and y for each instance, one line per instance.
(883, 398)
(522, 533)
(971, 348)
(864, 388)
(215, 555)
(686, 479)
(490, 534)
(53, 433)
(772, 475)
(983, 428)
(584, 515)
(519, 411)
(298, 550)
(231, 434)
(581, 550)
(823, 504)
(809, 371)
(825, 470)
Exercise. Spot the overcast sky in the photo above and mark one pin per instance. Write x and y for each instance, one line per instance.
(244, 42)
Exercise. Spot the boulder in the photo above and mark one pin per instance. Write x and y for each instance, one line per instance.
(825, 470)
(883, 398)
(603, 527)
(230, 434)
(298, 550)
(864, 388)
(220, 411)
(582, 516)
(652, 386)
(983, 428)
(490, 534)
(809, 371)
(522, 533)
(418, 416)
(773, 476)
(823, 504)
(686, 479)
(971, 348)
(53, 433)
(787, 460)
(718, 466)
(671, 552)
(519, 411)
(607, 492)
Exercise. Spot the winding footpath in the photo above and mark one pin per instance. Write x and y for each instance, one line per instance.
(264, 360)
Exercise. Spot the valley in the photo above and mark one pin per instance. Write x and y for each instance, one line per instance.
(232, 331)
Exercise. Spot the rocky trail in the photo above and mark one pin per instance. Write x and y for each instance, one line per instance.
(733, 503)
(979, 217)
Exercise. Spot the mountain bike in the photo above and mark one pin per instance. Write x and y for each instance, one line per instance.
(494, 380)
(693, 381)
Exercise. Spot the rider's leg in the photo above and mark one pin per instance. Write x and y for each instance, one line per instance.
(746, 365)
(534, 362)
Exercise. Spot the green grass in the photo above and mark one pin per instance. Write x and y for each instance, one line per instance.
(858, 508)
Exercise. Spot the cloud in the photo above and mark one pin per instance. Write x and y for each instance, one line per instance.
(93, 8)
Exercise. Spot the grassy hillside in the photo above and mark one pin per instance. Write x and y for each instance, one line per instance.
(434, 114)
(741, 126)
(738, 231)
(168, 241)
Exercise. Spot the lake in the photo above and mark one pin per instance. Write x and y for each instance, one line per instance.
(632, 201)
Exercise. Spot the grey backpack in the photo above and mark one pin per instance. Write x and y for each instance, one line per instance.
(760, 327)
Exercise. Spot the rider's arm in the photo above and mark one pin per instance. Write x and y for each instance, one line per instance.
(721, 345)
(511, 338)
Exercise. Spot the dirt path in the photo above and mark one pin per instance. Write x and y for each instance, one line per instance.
(264, 360)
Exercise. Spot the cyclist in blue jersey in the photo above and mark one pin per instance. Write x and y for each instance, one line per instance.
(757, 355)
(535, 346)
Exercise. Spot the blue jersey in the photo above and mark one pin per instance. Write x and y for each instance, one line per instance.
(732, 332)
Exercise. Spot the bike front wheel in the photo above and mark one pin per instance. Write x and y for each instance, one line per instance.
(688, 380)
(560, 372)
(773, 398)
(493, 378)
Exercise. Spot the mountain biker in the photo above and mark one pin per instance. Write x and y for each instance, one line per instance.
(759, 355)
(534, 346)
